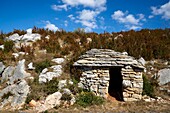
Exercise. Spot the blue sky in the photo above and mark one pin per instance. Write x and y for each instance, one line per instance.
(92, 15)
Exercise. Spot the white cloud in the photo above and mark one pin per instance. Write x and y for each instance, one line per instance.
(94, 4)
(66, 23)
(88, 19)
(59, 7)
(163, 10)
(150, 16)
(71, 17)
(87, 15)
(56, 18)
(50, 26)
(86, 3)
(128, 20)
(133, 27)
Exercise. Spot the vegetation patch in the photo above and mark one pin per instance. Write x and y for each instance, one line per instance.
(39, 91)
(42, 65)
(88, 98)
(148, 88)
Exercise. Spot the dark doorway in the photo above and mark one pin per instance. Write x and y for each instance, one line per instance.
(115, 83)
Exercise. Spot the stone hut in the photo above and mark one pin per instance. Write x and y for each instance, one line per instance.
(106, 72)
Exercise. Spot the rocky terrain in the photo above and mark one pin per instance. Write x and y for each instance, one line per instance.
(37, 73)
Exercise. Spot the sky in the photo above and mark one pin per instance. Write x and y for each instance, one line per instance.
(91, 15)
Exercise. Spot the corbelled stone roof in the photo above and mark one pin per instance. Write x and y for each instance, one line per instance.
(107, 58)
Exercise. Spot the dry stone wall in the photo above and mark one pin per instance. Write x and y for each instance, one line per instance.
(132, 84)
(96, 80)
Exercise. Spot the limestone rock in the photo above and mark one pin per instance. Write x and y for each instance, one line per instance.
(2, 67)
(7, 73)
(19, 72)
(142, 61)
(14, 37)
(30, 66)
(32, 103)
(62, 83)
(18, 93)
(164, 76)
(47, 76)
(127, 83)
(51, 101)
(2, 47)
(58, 60)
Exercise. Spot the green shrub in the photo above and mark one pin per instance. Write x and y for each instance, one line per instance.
(8, 46)
(40, 66)
(88, 98)
(66, 97)
(51, 86)
(148, 88)
(41, 90)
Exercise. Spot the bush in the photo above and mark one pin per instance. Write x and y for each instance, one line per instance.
(88, 98)
(8, 46)
(66, 97)
(39, 91)
(148, 88)
(40, 66)
(51, 86)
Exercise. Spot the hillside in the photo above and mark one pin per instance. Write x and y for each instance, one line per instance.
(42, 61)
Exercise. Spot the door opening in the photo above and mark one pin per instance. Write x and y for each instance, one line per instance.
(115, 83)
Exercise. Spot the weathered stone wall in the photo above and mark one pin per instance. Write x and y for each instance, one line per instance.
(97, 81)
(132, 84)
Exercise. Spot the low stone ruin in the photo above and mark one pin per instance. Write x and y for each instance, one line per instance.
(106, 72)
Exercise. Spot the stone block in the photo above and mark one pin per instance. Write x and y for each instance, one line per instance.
(137, 96)
(130, 99)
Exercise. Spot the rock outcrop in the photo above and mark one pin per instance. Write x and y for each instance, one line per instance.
(15, 93)
(47, 75)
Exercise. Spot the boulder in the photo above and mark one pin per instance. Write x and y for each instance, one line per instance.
(164, 76)
(51, 101)
(142, 61)
(58, 60)
(2, 47)
(14, 37)
(30, 66)
(29, 31)
(32, 103)
(62, 83)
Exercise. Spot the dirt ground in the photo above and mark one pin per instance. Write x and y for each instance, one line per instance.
(110, 107)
